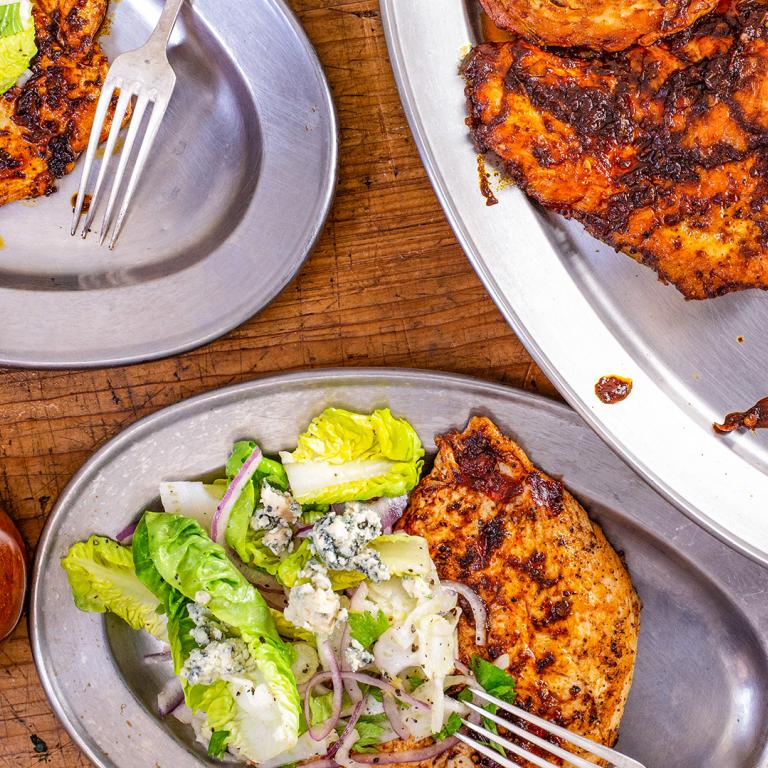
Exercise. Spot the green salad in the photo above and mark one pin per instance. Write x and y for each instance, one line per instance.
(17, 41)
(295, 624)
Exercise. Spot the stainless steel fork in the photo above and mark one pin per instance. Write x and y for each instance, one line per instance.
(146, 76)
(615, 759)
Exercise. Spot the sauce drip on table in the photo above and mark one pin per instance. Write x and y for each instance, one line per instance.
(612, 389)
(754, 418)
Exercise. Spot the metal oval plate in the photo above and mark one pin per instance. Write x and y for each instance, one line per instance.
(238, 187)
(583, 311)
(701, 680)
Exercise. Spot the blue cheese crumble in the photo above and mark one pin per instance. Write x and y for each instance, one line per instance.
(275, 515)
(356, 656)
(341, 540)
(206, 628)
(217, 656)
(313, 605)
(219, 659)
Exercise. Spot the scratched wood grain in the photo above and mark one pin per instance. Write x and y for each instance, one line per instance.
(387, 285)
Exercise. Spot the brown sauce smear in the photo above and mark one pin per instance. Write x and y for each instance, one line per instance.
(754, 418)
(485, 184)
(86, 202)
(613, 389)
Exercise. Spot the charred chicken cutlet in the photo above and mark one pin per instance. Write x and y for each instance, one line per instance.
(560, 602)
(660, 151)
(45, 124)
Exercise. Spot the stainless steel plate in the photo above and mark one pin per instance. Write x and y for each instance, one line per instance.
(237, 190)
(584, 311)
(700, 697)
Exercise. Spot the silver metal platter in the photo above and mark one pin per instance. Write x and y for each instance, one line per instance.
(700, 696)
(584, 311)
(236, 192)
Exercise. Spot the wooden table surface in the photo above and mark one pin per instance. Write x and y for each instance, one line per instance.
(387, 285)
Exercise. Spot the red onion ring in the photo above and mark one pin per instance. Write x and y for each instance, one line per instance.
(408, 755)
(393, 715)
(353, 718)
(476, 605)
(126, 535)
(171, 696)
(232, 494)
(374, 682)
(329, 658)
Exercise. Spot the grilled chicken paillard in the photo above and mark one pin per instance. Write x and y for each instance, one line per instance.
(609, 25)
(560, 601)
(659, 151)
(45, 124)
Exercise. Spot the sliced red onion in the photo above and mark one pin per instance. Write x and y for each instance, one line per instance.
(339, 507)
(171, 696)
(476, 605)
(392, 712)
(391, 510)
(303, 531)
(328, 657)
(361, 677)
(232, 494)
(126, 535)
(353, 718)
(408, 755)
(342, 756)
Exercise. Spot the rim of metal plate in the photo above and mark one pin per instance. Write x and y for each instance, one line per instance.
(679, 456)
(40, 349)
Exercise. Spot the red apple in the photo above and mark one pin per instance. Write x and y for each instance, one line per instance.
(13, 575)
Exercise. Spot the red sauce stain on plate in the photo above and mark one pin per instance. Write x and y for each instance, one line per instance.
(485, 182)
(612, 389)
(755, 417)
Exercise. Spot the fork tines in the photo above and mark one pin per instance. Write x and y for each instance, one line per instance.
(615, 759)
(143, 96)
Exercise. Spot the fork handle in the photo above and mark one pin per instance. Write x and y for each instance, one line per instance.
(165, 25)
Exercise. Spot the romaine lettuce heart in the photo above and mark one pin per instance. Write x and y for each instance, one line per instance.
(102, 578)
(17, 42)
(186, 558)
(345, 456)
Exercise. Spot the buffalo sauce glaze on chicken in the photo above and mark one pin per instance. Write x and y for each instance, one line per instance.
(657, 150)
(561, 606)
